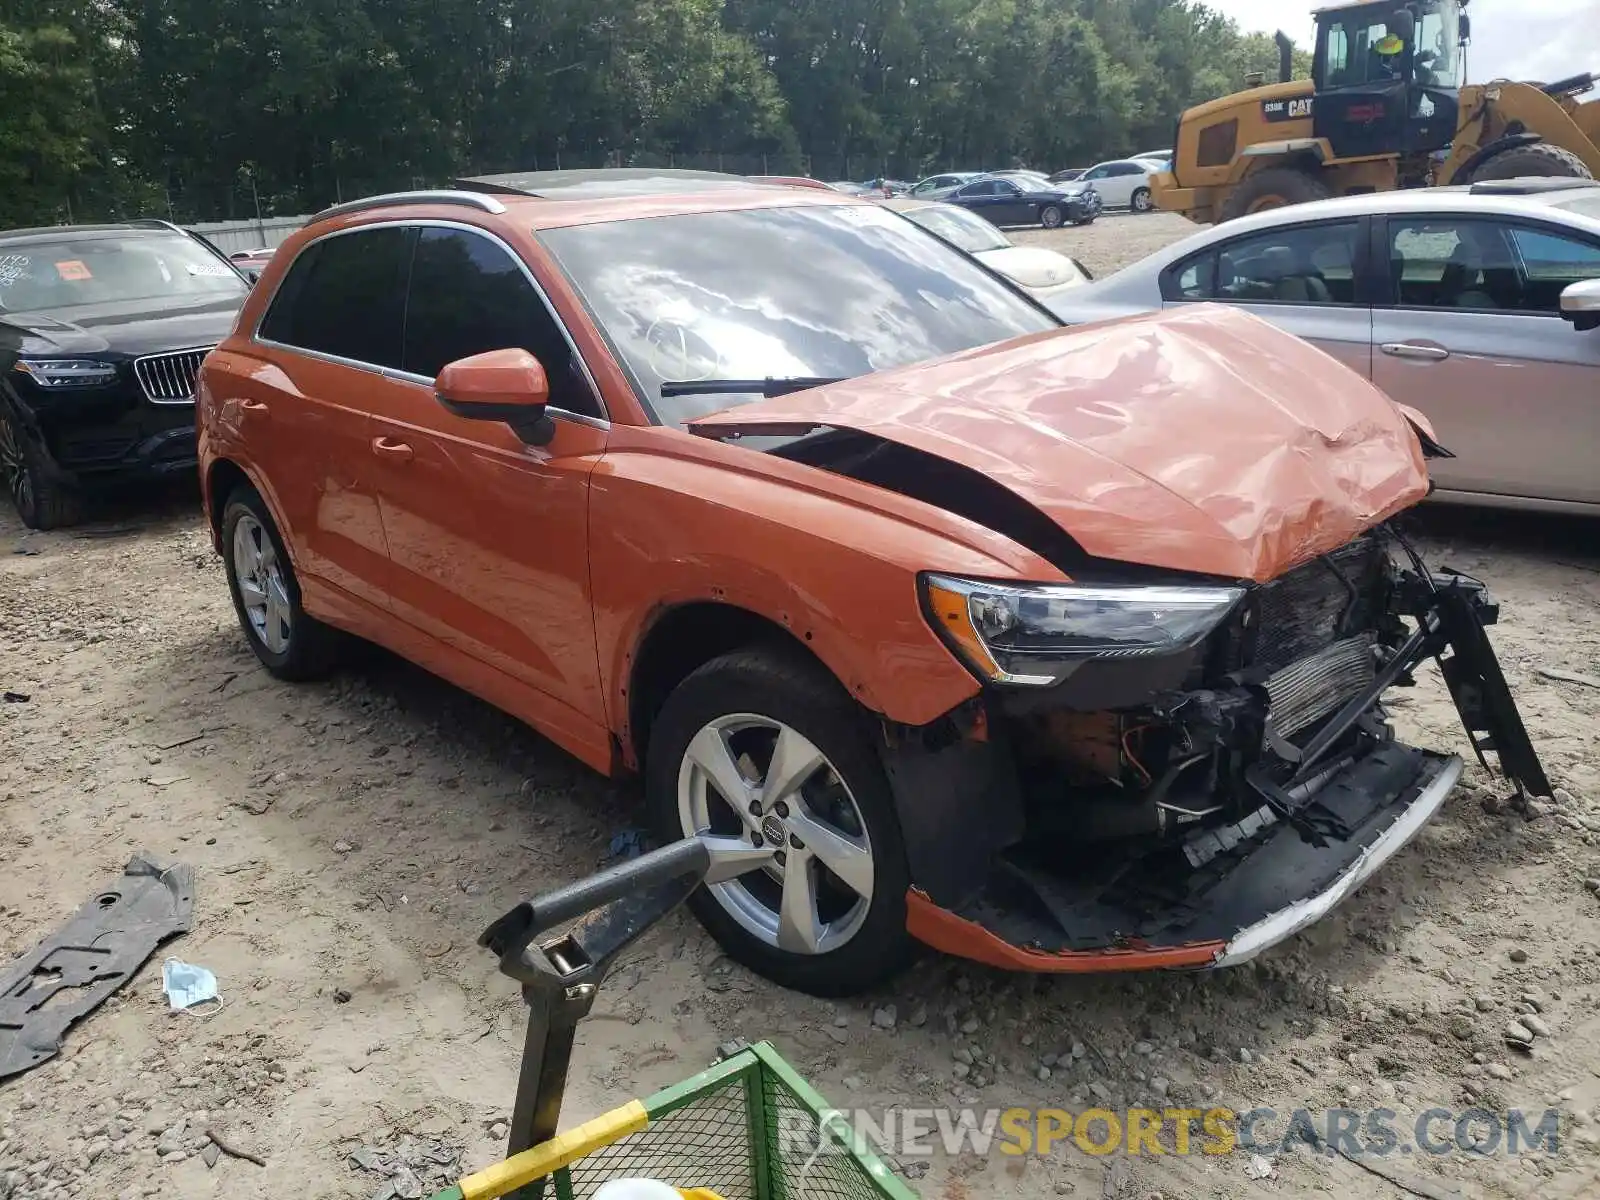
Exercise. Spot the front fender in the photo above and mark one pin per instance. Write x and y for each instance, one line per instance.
(837, 572)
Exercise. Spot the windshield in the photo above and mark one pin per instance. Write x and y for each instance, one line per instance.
(71, 272)
(962, 229)
(832, 291)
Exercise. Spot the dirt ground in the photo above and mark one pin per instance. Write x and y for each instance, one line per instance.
(351, 839)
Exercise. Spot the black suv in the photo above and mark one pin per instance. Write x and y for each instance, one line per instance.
(102, 329)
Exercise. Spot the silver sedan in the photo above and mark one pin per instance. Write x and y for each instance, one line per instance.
(1478, 306)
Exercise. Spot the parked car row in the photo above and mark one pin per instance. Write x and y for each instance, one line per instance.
(1120, 183)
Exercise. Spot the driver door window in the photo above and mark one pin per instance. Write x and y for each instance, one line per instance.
(468, 296)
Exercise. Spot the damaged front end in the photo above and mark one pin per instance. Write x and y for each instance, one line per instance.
(1179, 774)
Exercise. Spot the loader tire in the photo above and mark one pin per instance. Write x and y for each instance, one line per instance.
(1539, 159)
(1275, 187)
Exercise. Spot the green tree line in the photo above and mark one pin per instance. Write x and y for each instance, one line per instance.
(216, 109)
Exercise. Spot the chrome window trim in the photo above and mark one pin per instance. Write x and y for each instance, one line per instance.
(601, 422)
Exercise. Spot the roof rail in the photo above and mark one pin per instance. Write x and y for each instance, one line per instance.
(471, 199)
(1529, 185)
(153, 223)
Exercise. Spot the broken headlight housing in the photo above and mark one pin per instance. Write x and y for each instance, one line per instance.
(1038, 634)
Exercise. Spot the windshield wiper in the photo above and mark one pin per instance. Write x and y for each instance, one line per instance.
(767, 388)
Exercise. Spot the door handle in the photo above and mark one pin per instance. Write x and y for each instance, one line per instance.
(388, 448)
(255, 406)
(1412, 350)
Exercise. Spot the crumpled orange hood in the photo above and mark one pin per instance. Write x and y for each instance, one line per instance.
(1199, 439)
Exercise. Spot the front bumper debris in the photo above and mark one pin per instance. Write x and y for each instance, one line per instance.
(77, 968)
(1323, 800)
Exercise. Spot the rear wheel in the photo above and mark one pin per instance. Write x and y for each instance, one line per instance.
(1275, 187)
(1141, 202)
(41, 500)
(1050, 216)
(290, 642)
(762, 747)
(1539, 159)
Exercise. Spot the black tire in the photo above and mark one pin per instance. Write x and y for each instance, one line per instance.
(1051, 216)
(786, 686)
(1275, 187)
(1140, 201)
(1538, 159)
(42, 501)
(312, 650)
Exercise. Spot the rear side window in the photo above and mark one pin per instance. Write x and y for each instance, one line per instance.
(1193, 279)
(1306, 264)
(345, 296)
(468, 296)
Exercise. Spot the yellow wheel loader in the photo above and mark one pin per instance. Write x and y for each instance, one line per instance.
(1385, 108)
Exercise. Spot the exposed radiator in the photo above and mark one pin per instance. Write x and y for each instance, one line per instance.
(1306, 691)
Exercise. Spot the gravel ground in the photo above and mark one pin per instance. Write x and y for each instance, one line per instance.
(351, 838)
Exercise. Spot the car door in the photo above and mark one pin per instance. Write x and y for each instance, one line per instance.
(1115, 185)
(1011, 205)
(1469, 332)
(1099, 177)
(1308, 278)
(332, 330)
(981, 196)
(488, 536)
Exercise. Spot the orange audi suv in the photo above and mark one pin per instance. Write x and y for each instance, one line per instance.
(1062, 650)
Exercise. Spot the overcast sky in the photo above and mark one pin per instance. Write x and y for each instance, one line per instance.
(1512, 39)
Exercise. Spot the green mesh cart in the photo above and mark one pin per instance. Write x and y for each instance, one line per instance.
(748, 1128)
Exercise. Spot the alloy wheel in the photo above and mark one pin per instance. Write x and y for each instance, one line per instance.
(14, 472)
(758, 782)
(262, 590)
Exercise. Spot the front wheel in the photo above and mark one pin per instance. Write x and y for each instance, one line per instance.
(41, 500)
(1141, 201)
(1051, 216)
(1273, 187)
(1538, 159)
(762, 747)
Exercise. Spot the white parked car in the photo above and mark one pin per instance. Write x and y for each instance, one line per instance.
(1122, 183)
(1043, 273)
(937, 187)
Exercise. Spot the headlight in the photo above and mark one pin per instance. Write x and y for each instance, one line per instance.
(67, 372)
(1038, 635)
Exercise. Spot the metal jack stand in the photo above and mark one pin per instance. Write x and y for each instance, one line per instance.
(561, 976)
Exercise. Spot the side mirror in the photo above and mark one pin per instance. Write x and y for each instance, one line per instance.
(499, 385)
(1580, 304)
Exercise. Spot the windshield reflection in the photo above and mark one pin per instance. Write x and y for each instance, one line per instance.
(821, 291)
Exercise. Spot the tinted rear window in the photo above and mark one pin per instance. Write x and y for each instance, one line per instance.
(345, 296)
